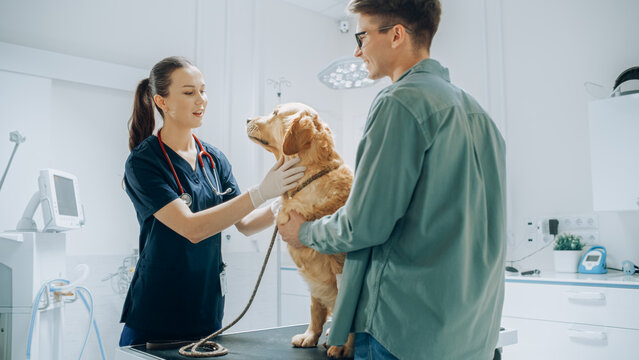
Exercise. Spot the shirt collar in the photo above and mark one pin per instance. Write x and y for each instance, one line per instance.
(429, 66)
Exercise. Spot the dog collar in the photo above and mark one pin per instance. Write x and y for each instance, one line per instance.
(311, 179)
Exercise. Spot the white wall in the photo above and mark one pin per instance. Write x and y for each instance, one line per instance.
(90, 140)
(550, 49)
(460, 45)
(20, 113)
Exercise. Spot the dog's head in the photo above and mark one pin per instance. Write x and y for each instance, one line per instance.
(293, 128)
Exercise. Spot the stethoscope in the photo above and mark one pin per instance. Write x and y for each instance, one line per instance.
(183, 195)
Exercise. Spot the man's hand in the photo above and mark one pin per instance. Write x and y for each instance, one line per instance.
(290, 230)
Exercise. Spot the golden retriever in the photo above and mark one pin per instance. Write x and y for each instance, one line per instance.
(294, 129)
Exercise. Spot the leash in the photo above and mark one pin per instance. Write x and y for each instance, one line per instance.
(213, 349)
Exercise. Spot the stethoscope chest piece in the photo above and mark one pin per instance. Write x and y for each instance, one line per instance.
(187, 199)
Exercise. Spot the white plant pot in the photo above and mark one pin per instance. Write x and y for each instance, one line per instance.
(567, 260)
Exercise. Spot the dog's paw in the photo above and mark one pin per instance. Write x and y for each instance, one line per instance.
(304, 340)
(340, 352)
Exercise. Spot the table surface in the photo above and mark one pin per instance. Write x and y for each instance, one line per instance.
(272, 343)
(613, 278)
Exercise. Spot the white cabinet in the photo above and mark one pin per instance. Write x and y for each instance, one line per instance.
(613, 135)
(572, 316)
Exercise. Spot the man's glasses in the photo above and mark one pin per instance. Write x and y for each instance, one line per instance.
(358, 36)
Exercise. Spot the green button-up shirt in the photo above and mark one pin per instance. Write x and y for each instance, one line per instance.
(424, 225)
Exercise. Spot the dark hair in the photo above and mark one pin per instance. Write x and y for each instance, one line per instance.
(420, 16)
(142, 121)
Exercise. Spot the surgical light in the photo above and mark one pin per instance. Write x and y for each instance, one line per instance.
(346, 73)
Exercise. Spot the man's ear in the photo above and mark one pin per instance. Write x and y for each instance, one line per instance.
(299, 135)
(399, 36)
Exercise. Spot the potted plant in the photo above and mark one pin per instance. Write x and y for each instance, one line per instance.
(567, 252)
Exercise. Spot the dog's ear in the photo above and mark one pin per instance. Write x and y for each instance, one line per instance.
(299, 135)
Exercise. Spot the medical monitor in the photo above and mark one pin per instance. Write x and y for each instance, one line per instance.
(60, 200)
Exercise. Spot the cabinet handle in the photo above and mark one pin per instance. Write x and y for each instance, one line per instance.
(598, 336)
(585, 295)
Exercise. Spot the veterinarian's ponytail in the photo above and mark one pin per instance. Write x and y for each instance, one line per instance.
(142, 121)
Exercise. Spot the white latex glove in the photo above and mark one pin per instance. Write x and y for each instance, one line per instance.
(281, 178)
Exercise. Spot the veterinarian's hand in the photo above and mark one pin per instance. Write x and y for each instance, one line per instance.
(290, 230)
(281, 178)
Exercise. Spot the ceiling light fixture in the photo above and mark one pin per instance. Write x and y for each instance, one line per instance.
(346, 73)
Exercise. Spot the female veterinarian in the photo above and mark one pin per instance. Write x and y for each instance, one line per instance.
(184, 194)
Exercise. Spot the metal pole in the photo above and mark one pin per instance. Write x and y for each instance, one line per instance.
(17, 138)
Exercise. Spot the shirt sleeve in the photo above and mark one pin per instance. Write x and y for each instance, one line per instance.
(147, 186)
(389, 164)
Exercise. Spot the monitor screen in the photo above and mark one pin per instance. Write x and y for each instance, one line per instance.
(592, 258)
(61, 207)
(65, 193)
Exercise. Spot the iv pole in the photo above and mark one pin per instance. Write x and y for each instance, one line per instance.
(17, 138)
(277, 85)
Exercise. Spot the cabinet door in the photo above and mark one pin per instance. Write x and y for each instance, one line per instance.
(538, 339)
(613, 136)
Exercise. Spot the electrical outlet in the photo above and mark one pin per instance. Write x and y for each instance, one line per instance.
(532, 230)
(589, 237)
(547, 238)
(585, 226)
(578, 223)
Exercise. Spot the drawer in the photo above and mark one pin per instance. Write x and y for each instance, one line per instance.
(593, 305)
(539, 339)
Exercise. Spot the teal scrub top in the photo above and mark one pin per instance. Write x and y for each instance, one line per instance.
(424, 225)
(175, 290)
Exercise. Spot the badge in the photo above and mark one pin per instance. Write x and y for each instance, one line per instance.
(223, 282)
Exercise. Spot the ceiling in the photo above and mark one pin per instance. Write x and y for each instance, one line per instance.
(335, 9)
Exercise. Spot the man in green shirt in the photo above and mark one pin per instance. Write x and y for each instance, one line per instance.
(424, 226)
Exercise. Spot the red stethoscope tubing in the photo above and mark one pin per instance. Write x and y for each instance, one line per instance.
(199, 155)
